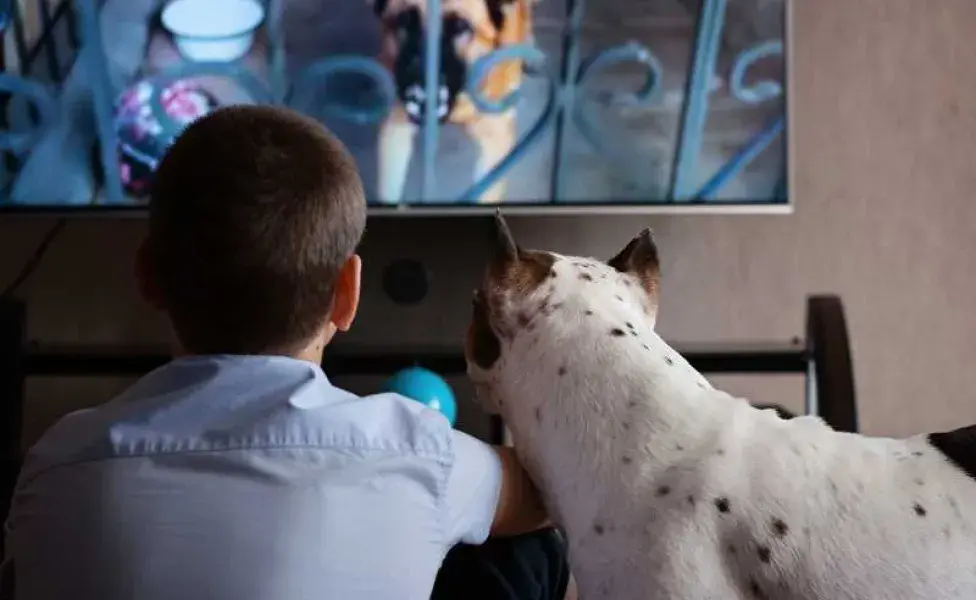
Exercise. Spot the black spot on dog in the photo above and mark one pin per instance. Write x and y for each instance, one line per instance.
(780, 528)
(618, 297)
(919, 481)
(598, 529)
(764, 553)
(496, 12)
(720, 452)
(690, 499)
(561, 371)
(668, 360)
(664, 490)
(917, 453)
(780, 411)
(632, 404)
(644, 346)
(959, 446)
(588, 313)
(625, 425)
(920, 510)
(538, 415)
(722, 504)
(731, 549)
(755, 590)
(629, 325)
(552, 274)
(617, 332)
(586, 277)
(626, 282)
(626, 460)
(679, 447)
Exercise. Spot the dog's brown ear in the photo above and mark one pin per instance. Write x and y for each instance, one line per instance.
(640, 258)
(513, 269)
(505, 250)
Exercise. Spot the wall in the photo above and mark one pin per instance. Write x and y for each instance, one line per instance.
(883, 150)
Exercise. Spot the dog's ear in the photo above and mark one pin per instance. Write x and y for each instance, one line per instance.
(640, 258)
(505, 250)
(516, 271)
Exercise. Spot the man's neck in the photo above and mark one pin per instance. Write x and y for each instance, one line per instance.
(311, 352)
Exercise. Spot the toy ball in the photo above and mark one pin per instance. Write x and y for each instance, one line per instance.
(143, 136)
(426, 387)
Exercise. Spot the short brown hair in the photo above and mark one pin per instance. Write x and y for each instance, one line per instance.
(253, 211)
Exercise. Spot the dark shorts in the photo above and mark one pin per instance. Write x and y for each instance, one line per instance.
(525, 567)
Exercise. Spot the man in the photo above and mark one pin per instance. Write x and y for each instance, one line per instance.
(238, 471)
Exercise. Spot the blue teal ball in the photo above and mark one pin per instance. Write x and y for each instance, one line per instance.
(426, 387)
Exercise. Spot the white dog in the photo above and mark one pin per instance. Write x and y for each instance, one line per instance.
(670, 489)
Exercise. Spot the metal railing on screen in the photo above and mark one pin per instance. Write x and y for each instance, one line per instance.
(42, 65)
(569, 97)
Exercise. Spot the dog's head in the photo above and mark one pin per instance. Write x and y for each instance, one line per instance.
(541, 318)
(470, 29)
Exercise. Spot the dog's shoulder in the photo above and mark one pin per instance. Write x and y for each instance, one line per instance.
(958, 447)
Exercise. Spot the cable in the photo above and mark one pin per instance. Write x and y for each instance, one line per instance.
(35, 259)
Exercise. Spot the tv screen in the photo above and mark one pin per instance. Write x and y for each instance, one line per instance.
(447, 105)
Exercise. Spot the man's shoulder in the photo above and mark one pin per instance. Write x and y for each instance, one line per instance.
(389, 420)
(328, 419)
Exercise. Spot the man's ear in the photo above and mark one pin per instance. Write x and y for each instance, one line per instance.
(345, 299)
(147, 276)
(640, 258)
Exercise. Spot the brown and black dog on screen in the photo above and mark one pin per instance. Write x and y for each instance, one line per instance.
(470, 29)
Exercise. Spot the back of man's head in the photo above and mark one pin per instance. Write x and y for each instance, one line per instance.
(253, 213)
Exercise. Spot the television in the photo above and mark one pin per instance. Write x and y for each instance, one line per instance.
(449, 106)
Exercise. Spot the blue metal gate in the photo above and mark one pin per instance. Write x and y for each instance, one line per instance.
(568, 87)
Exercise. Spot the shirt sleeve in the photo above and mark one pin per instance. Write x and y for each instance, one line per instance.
(473, 489)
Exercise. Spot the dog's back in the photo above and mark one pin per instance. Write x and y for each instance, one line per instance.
(790, 509)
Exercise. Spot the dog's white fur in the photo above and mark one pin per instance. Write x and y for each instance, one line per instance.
(670, 489)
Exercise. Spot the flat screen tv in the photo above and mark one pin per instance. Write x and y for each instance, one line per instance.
(449, 106)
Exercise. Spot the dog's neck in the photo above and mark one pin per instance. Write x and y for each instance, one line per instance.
(610, 424)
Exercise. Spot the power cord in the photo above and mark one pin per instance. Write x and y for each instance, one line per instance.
(35, 259)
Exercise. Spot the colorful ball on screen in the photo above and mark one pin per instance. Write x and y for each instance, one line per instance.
(143, 137)
(424, 386)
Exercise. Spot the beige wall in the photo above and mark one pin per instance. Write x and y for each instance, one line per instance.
(884, 134)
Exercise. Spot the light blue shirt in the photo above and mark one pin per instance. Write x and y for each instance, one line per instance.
(246, 478)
